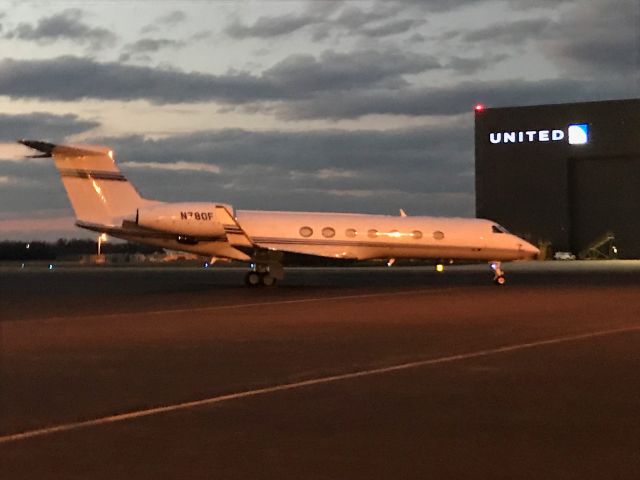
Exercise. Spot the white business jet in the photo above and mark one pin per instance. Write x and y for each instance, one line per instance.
(105, 201)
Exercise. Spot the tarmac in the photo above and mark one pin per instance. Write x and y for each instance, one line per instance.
(147, 373)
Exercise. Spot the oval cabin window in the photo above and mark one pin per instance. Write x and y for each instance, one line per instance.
(417, 234)
(438, 235)
(373, 233)
(328, 232)
(350, 232)
(306, 231)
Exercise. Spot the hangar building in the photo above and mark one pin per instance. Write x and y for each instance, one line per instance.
(563, 176)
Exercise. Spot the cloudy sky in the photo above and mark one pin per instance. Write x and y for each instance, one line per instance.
(289, 105)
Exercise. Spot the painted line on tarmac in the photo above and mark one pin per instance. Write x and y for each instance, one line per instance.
(67, 427)
(282, 302)
(233, 306)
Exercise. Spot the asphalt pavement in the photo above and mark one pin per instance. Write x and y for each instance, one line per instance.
(337, 373)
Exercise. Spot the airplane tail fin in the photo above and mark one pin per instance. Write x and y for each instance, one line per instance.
(98, 192)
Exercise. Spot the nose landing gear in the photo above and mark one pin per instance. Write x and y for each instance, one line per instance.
(498, 274)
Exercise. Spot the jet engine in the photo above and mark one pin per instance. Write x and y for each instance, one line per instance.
(195, 220)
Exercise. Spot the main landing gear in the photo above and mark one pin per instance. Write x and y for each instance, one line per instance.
(255, 278)
(498, 274)
(264, 274)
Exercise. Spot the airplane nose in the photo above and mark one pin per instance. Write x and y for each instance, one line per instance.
(529, 251)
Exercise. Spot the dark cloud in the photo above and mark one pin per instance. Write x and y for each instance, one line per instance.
(354, 17)
(143, 47)
(535, 4)
(335, 86)
(42, 125)
(31, 184)
(323, 8)
(454, 99)
(597, 38)
(417, 38)
(172, 19)
(510, 33)
(165, 22)
(468, 65)
(66, 25)
(268, 27)
(384, 18)
(73, 78)
(394, 27)
(439, 6)
(202, 35)
(335, 71)
(378, 18)
(435, 6)
(146, 45)
(370, 171)
(377, 21)
(423, 170)
(307, 150)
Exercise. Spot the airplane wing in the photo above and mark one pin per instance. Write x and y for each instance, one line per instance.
(327, 251)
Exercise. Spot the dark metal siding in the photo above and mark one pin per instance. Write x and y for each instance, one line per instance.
(604, 197)
(544, 190)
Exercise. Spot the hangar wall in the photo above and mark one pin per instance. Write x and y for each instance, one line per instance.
(564, 174)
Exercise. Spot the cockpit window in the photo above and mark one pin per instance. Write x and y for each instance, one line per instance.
(498, 229)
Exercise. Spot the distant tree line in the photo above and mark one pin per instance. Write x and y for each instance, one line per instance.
(63, 248)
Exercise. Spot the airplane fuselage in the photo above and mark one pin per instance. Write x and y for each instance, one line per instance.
(363, 237)
(354, 236)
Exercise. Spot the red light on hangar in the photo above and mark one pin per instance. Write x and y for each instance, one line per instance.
(479, 107)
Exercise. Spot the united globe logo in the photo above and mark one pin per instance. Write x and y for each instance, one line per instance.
(578, 134)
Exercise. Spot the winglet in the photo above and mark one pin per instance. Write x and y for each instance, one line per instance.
(403, 213)
(44, 147)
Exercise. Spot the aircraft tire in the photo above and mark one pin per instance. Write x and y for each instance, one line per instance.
(252, 279)
(268, 280)
(500, 280)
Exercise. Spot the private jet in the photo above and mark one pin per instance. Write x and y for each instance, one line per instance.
(104, 201)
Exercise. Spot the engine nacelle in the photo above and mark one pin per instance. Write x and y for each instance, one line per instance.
(186, 219)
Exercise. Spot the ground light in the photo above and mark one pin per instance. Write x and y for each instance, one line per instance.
(102, 238)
